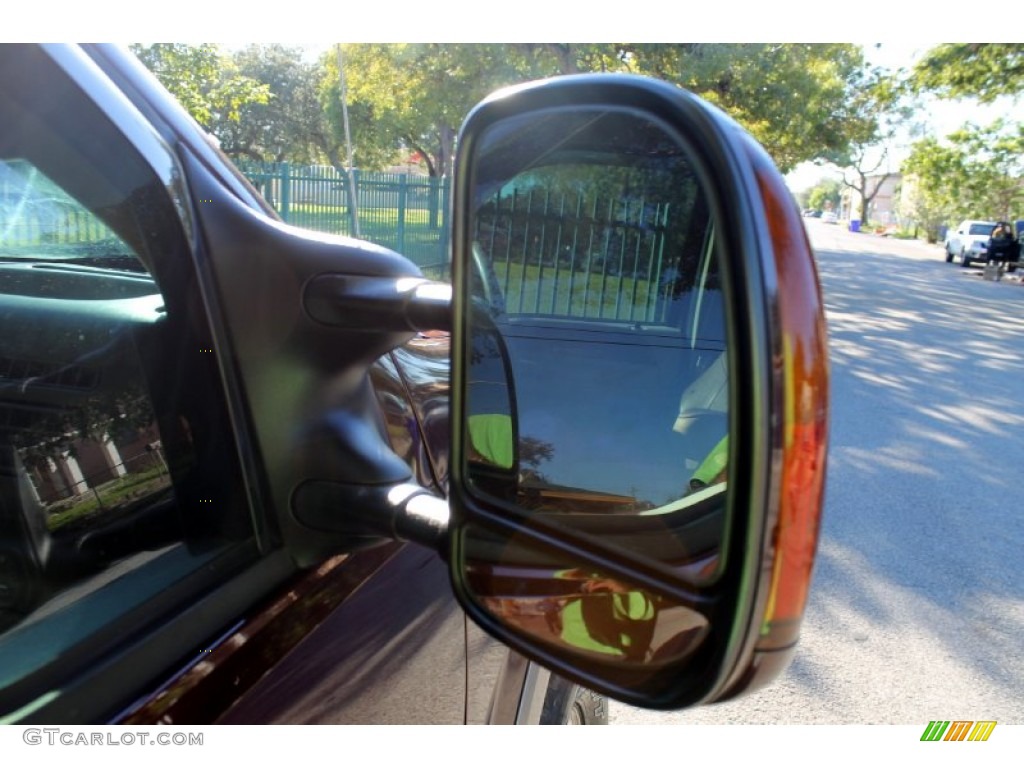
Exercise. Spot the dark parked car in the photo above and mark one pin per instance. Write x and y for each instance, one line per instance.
(247, 476)
(1003, 246)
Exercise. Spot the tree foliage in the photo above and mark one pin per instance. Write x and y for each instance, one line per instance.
(792, 98)
(875, 107)
(824, 195)
(206, 82)
(931, 192)
(413, 97)
(984, 71)
(799, 100)
(289, 124)
(977, 172)
(993, 182)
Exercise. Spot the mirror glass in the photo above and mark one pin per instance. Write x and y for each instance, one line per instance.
(596, 388)
(572, 607)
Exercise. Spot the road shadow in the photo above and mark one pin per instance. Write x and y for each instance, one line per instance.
(917, 606)
(923, 535)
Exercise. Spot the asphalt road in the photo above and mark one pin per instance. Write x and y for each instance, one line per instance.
(917, 607)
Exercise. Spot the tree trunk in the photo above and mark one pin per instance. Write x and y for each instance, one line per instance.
(445, 155)
(352, 210)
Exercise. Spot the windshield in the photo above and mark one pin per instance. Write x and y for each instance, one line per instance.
(981, 228)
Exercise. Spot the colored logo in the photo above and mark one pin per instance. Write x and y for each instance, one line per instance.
(958, 730)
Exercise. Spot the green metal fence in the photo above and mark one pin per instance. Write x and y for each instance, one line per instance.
(548, 253)
(406, 213)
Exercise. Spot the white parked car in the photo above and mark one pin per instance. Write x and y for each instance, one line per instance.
(829, 217)
(969, 241)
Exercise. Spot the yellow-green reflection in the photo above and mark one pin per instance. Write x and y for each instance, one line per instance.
(582, 610)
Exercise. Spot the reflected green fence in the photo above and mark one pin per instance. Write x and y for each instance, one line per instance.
(575, 255)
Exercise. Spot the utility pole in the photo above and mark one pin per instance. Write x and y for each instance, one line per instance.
(353, 203)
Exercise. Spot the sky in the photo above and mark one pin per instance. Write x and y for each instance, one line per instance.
(312, 21)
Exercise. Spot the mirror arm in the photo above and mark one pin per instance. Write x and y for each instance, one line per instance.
(421, 517)
(379, 303)
(402, 511)
(430, 307)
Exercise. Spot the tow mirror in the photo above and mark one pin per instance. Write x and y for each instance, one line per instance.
(639, 390)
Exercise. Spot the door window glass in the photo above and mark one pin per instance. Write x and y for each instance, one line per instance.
(119, 496)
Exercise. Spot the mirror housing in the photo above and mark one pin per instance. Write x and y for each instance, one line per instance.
(659, 603)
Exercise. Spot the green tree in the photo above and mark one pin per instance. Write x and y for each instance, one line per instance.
(791, 97)
(290, 123)
(824, 194)
(984, 71)
(975, 173)
(204, 80)
(875, 107)
(930, 194)
(414, 97)
(993, 180)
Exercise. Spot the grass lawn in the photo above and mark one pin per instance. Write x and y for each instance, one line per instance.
(112, 494)
(563, 292)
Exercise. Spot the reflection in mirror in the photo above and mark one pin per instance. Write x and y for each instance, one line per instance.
(576, 608)
(491, 420)
(597, 387)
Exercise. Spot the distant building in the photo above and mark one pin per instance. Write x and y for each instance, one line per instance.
(884, 207)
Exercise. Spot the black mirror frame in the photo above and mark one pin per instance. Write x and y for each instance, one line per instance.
(734, 171)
